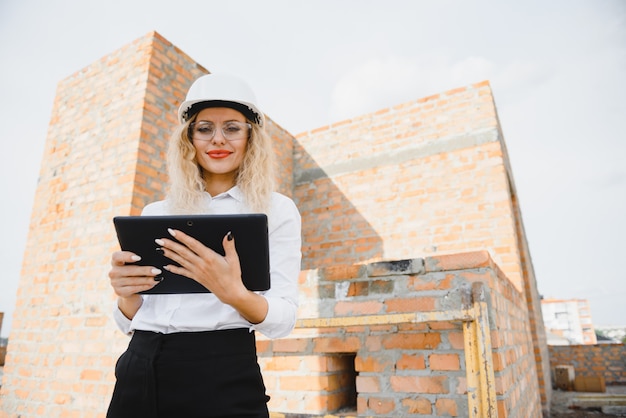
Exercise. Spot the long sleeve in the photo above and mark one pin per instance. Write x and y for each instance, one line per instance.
(285, 258)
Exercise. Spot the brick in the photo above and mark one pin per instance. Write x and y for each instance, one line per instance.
(414, 304)
(372, 364)
(444, 362)
(262, 346)
(429, 282)
(381, 287)
(415, 341)
(282, 363)
(420, 406)
(374, 343)
(342, 272)
(458, 261)
(336, 345)
(91, 375)
(358, 289)
(390, 268)
(446, 407)
(350, 308)
(367, 384)
(411, 362)
(381, 405)
(419, 384)
(322, 383)
(290, 345)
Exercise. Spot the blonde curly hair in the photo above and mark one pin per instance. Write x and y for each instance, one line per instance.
(255, 177)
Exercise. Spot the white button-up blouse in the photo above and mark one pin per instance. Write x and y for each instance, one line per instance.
(203, 311)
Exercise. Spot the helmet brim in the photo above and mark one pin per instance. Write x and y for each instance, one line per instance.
(189, 108)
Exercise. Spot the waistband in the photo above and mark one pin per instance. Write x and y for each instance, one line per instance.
(194, 344)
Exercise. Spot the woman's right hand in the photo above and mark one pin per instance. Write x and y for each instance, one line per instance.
(127, 278)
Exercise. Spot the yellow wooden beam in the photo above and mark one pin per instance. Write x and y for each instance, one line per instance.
(462, 315)
(472, 368)
(481, 391)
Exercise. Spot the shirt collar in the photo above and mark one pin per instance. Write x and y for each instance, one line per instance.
(234, 192)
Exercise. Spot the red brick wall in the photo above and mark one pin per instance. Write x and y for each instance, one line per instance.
(607, 360)
(283, 147)
(104, 156)
(402, 369)
(533, 301)
(419, 178)
(425, 177)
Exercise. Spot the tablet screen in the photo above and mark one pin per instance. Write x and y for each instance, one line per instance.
(137, 234)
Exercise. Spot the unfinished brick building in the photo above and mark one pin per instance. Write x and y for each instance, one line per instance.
(418, 296)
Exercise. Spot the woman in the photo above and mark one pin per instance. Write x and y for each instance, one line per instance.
(194, 355)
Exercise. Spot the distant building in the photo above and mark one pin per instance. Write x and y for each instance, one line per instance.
(615, 333)
(568, 319)
(606, 340)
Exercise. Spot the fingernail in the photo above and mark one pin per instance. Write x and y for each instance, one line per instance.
(171, 231)
(135, 258)
(159, 241)
(159, 250)
(155, 271)
(158, 278)
(229, 236)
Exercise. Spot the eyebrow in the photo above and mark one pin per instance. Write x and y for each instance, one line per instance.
(226, 121)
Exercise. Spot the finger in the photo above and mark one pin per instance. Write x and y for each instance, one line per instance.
(179, 247)
(133, 271)
(176, 252)
(119, 258)
(134, 287)
(137, 281)
(190, 242)
(181, 271)
(228, 242)
(126, 286)
(186, 251)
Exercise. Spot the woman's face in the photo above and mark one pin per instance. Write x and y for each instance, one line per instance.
(220, 157)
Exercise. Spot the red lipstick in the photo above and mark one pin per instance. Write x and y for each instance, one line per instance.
(219, 153)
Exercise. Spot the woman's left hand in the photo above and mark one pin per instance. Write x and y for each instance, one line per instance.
(220, 274)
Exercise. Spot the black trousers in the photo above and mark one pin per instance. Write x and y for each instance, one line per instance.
(191, 374)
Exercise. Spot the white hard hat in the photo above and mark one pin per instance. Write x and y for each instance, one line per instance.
(220, 90)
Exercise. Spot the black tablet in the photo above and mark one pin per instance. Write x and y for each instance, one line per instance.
(137, 234)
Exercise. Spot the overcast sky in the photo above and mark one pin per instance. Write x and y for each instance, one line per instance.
(557, 69)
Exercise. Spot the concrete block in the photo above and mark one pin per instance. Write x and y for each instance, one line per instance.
(564, 377)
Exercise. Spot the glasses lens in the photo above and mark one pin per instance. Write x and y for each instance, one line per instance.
(232, 131)
(235, 130)
(203, 130)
